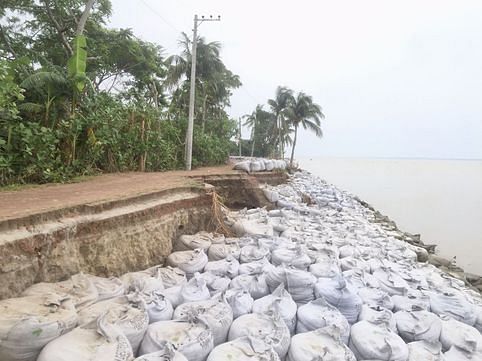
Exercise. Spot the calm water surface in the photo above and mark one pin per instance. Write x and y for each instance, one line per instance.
(440, 199)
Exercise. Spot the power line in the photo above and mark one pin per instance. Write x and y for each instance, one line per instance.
(155, 12)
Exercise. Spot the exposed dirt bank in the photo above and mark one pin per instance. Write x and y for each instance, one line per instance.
(108, 226)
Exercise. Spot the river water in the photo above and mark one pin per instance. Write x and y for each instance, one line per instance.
(440, 199)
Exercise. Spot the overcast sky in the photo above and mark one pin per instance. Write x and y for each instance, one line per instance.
(395, 79)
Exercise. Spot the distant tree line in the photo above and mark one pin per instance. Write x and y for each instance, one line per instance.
(77, 97)
(274, 129)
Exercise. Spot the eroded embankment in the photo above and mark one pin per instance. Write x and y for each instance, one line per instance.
(114, 237)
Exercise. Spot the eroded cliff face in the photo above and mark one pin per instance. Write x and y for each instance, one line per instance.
(112, 238)
(128, 238)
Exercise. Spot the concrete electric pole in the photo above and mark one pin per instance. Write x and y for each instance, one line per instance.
(190, 124)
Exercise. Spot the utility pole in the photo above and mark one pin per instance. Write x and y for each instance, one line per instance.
(190, 124)
(239, 135)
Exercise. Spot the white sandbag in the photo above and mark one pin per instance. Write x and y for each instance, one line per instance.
(327, 269)
(28, 323)
(453, 304)
(369, 341)
(375, 297)
(141, 281)
(158, 306)
(195, 290)
(107, 343)
(456, 333)
(79, 288)
(297, 282)
(188, 242)
(321, 344)
(170, 276)
(339, 294)
(425, 351)
(358, 278)
(391, 282)
(253, 268)
(188, 261)
(378, 315)
(458, 354)
(228, 267)
(250, 227)
(167, 353)
(245, 166)
(418, 326)
(293, 256)
(193, 338)
(255, 284)
(256, 166)
(244, 349)
(222, 250)
(280, 300)
(173, 294)
(252, 253)
(270, 195)
(414, 300)
(268, 327)
(319, 314)
(107, 287)
(240, 301)
(129, 316)
(269, 165)
(215, 284)
(216, 312)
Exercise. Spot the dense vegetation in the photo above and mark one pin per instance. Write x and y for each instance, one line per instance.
(271, 131)
(77, 97)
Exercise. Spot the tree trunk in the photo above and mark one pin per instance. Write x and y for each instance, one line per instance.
(83, 18)
(254, 140)
(294, 145)
(204, 112)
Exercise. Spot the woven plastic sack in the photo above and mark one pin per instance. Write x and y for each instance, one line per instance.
(244, 227)
(423, 350)
(107, 343)
(280, 300)
(228, 267)
(195, 290)
(458, 354)
(339, 294)
(369, 341)
(459, 334)
(158, 306)
(107, 287)
(192, 337)
(268, 327)
(375, 297)
(173, 295)
(215, 284)
(244, 349)
(294, 256)
(141, 281)
(222, 250)
(297, 282)
(319, 314)
(378, 315)
(28, 323)
(188, 242)
(413, 301)
(79, 288)
(418, 326)
(240, 301)
(167, 353)
(170, 276)
(321, 344)
(453, 304)
(245, 166)
(253, 253)
(255, 284)
(216, 313)
(252, 268)
(188, 261)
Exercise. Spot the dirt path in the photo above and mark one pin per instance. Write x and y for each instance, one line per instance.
(108, 187)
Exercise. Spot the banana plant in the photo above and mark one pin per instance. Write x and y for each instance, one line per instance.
(77, 63)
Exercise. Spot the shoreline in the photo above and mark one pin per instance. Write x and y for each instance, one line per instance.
(446, 265)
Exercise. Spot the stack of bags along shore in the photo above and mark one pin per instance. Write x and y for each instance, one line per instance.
(299, 283)
(254, 165)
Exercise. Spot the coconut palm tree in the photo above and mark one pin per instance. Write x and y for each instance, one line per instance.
(282, 101)
(303, 112)
(254, 120)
